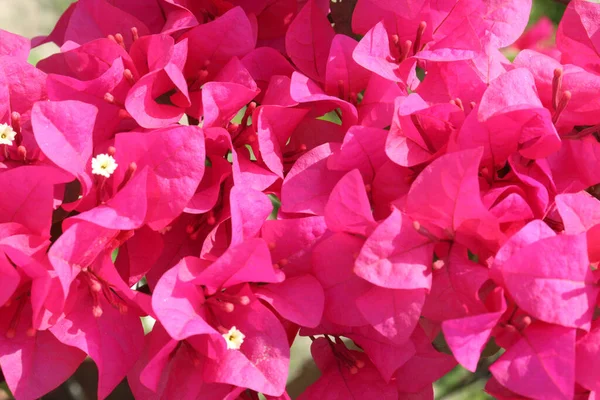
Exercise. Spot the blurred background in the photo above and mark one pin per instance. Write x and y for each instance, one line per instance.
(31, 18)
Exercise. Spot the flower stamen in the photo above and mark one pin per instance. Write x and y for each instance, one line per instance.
(234, 338)
(104, 165)
(7, 134)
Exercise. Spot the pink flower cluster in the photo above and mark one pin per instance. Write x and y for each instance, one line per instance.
(246, 171)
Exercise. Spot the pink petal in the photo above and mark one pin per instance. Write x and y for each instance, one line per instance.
(396, 256)
(249, 261)
(308, 40)
(114, 340)
(348, 208)
(394, 313)
(14, 45)
(177, 304)
(363, 148)
(551, 280)
(307, 186)
(468, 336)
(337, 383)
(332, 261)
(541, 364)
(446, 195)
(587, 357)
(249, 210)
(425, 367)
(262, 361)
(299, 299)
(25, 360)
(63, 132)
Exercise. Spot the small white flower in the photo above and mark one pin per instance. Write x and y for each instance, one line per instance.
(7, 135)
(234, 338)
(104, 165)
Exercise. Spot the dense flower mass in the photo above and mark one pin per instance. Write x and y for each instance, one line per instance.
(374, 174)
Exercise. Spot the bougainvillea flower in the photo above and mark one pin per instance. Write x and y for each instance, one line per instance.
(452, 296)
(232, 89)
(377, 106)
(499, 24)
(64, 139)
(97, 302)
(419, 132)
(263, 356)
(442, 86)
(586, 359)
(169, 369)
(99, 320)
(303, 90)
(188, 311)
(580, 212)
(348, 208)
(171, 154)
(457, 210)
(14, 45)
(291, 242)
(396, 256)
(24, 355)
(307, 186)
(374, 53)
(536, 36)
(553, 80)
(576, 35)
(263, 63)
(391, 312)
(134, 259)
(508, 204)
(96, 56)
(10, 277)
(126, 211)
(560, 265)
(537, 180)
(377, 175)
(345, 374)
(579, 159)
(344, 77)
(86, 21)
(165, 78)
(468, 336)
(540, 364)
(524, 116)
(342, 286)
(363, 148)
(412, 377)
(216, 42)
(274, 127)
(27, 197)
(309, 39)
(298, 299)
(249, 210)
(229, 270)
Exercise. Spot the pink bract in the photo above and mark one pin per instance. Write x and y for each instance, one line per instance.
(187, 187)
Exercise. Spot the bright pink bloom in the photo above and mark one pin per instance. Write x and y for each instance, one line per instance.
(540, 364)
(14, 45)
(346, 374)
(396, 256)
(559, 265)
(308, 41)
(576, 37)
(445, 199)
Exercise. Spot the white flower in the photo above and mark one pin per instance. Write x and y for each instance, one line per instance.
(104, 165)
(234, 338)
(7, 135)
